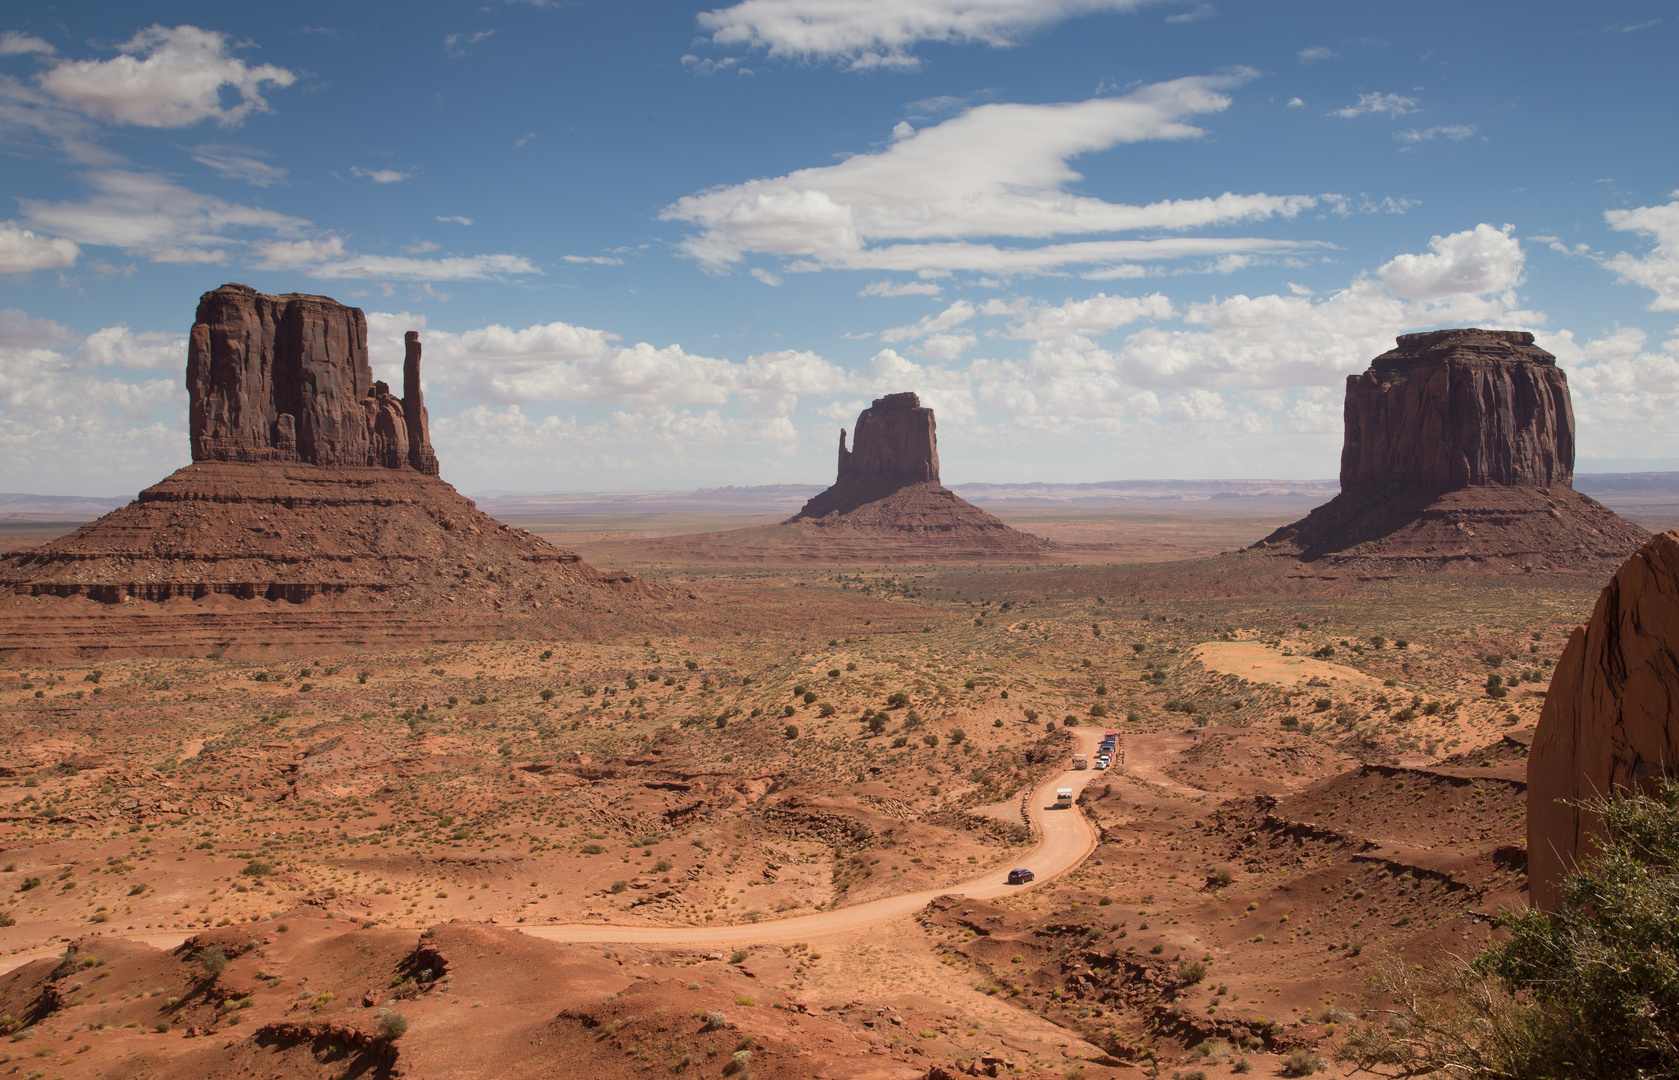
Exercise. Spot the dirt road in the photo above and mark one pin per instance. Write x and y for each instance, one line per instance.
(1065, 839)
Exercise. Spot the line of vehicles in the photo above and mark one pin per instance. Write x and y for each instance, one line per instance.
(1020, 875)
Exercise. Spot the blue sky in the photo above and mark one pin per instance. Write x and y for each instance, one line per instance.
(657, 245)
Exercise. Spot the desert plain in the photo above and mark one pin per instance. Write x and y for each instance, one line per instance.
(763, 832)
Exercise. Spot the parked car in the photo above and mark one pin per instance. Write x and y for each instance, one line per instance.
(1020, 876)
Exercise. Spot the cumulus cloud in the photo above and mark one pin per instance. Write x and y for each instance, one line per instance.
(1316, 52)
(871, 35)
(923, 203)
(1393, 105)
(166, 77)
(22, 250)
(952, 316)
(1657, 269)
(1089, 317)
(1482, 260)
(101, 412)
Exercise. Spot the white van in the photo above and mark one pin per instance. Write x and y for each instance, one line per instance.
(1064, 798)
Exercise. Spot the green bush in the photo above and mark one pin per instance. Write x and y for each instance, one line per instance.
(1587, 992)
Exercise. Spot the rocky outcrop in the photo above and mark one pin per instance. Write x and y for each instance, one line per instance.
(286, 378)
(1458, 408)
(311, 484)
(1611, 716)
(1459, 453)
(896, 447)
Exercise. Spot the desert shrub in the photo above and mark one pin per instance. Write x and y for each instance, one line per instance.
(257, 868)
(392, 1025)
(1069, 721)
(1302, 1063)
(1405, 716)
(1290, 723)
(662, 866)
(788, 710)
(1157, 949)
(826, 710)
(1218, 879)
(591, 849)
(877, 723)
(931, 739)
(1031, 715)
(810, 697)
(957, 735)
(619, 886)
(212, 959)
(1098, 710)
(1192, 971)
(546, 695)
(1322, 704)
(691, 665)
(898, 700)
(791, 731)
(1590, 990)
(900, 742)
(29, 883)
(714, 1021)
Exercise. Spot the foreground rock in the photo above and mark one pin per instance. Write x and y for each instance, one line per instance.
(1609, 722)
(310, 483)
(886, 506)
(1459, 453)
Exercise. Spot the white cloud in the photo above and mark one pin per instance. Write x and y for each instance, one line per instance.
(994, 171)
(19, 331)
(1482, 260)
(1316, 52)
(945, 347)
(326, 258)
(456, 218)
(22, 250)
(893, 288)
(1201, 13)
(1394, 105)
(1452, 132)
(148, 215)
(239, 163)
(1089, 317)
(380, 176)
(460, 44)
(868, 34)
(598, 260)
(18, 43)
(952, 316)
(165, 77)
(1296, 103)
(772, 280)
(1657, 270)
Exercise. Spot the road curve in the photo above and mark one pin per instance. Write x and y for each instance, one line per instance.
(1065, 840)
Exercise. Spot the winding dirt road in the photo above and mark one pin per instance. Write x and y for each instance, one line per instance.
(1065, 840)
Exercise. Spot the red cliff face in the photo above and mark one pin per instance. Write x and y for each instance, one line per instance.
(1458, 408)
(286, 378)
(897, 442)
(1609, 720)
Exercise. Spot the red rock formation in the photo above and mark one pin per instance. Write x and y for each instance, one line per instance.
(286, 378)
(1457, 408)
(310, 483)
(1611, 717)
(1459, 450)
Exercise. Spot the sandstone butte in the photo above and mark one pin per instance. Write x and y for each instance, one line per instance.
(310, 484)
(886, 506)
(1610, 721)
(1458, 453)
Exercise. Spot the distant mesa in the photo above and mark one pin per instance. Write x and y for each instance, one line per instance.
(1609, 723)
(886, 505)
(1459, 452)
(310, 483)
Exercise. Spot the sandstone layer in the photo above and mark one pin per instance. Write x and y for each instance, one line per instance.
(1611, 717)
(1459, 454)
(886, 506)
(311, 484)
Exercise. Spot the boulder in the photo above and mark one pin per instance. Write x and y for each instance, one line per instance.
(286, 378)
(1611, 716)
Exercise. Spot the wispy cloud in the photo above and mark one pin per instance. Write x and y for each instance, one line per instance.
(239, 163)
(1394, 105)
(455, 218)
(893, 288)
(18, 43)
(1315, 53)
(1450, 132)
(1200, 13)
(460, 44)
(381, 176)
